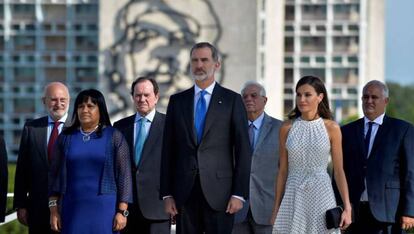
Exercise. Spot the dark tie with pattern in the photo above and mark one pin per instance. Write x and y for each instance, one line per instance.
(53, 136)
(251, 136)
(200, 116)
(368, 138)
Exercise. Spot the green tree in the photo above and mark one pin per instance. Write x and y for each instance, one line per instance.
(401, 102)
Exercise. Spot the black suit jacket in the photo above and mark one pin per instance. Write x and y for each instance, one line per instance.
(222, 159)
(147, 174)
(389, 169)
(3, 179)
(31, 180)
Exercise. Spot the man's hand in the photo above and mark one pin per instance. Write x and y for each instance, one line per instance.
(234, 205)
(55, 222)
(170, 208)
(407, 222)
(22, 216)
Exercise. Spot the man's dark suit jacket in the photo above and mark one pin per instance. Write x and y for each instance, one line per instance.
(3, 179)
(31, 180)
(222, 158)
(147, 174)
(389, 169)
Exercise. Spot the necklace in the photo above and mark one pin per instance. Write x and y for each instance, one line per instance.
(87, 135)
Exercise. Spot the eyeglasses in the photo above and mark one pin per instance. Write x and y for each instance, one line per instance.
(63, 100)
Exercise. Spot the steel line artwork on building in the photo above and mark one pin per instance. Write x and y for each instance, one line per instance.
(154, 38)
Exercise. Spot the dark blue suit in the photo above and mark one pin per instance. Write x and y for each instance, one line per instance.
(389, 170)
(211, 172)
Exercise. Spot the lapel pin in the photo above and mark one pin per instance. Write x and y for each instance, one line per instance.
(219, 102)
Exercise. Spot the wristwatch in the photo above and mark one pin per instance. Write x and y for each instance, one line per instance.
(124, 213)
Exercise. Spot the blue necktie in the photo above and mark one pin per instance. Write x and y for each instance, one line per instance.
(141, 135)
(251, 136)
(368, 138)
(200, 115)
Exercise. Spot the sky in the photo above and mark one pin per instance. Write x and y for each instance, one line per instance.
(399, 49)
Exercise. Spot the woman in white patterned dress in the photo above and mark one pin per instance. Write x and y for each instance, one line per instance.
(304, 191)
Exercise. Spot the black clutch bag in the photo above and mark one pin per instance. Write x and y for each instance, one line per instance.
(333, 217)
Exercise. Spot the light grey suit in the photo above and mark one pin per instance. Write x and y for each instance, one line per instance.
(264, 168)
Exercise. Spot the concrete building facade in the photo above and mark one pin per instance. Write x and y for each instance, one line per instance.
(107, 44)
(340, 41)
(43, 41)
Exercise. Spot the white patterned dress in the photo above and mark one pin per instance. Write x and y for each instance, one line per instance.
(308, 191)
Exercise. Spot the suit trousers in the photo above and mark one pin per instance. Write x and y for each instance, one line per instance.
(249, 226)
(137, 223)
(40, 223)
(366, 223)
(197, 217)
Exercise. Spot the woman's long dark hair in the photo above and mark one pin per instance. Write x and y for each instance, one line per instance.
(96, 98)
(323, 106)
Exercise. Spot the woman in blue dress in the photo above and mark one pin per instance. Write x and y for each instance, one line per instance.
(90, 177)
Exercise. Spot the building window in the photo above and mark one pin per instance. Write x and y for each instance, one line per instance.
(23, 10)
(24, 74)
(86, 43)
(314, 12)
(289, 13)
(313, 44)
(304, 59)
(289, 28)
(313, 72)
(289, 44)
(345, 76)
(24, 42)
(86, 74)
(320, 59)
(352, 91)
(289, 59)
(337, 91)
(353, 59)
(288, 76)
(24, 105)
(86, 9)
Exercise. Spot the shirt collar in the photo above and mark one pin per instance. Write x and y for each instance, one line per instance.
(61, 120)
(378, 120)
(209, 89)
(258, 121)
(149, 116)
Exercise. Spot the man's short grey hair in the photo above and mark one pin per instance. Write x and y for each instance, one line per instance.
(379, 84)
(254, 83)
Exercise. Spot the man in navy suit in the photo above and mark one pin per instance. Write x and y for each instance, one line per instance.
(205, 168)
(146, 213)
(379, 166)
(31, 180)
